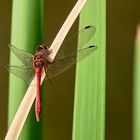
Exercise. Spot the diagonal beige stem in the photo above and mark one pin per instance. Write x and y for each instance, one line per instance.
(23, 110)
(25, 106)
(66, 27)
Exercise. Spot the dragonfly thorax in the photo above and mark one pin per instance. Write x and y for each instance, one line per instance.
(40, 57)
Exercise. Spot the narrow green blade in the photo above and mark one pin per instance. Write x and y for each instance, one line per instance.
(27, 28)
(136, 89)
(89, 107)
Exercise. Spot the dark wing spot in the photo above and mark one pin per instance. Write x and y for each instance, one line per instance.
(91, 46)
(86, 27)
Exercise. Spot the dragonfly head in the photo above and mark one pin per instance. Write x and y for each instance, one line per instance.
(42, 48)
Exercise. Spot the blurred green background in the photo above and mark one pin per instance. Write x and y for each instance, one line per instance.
(122, 19)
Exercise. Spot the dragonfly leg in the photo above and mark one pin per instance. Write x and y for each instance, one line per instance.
(45, 68)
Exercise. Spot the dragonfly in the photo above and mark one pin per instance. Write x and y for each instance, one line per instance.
(64, 59)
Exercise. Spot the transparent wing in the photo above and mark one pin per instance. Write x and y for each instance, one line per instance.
(69, 45)
(66, 56)
(24, 72)
(60, 65)
(64, 59)
(25, 57)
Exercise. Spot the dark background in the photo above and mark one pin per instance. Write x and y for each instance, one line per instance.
(122, 19)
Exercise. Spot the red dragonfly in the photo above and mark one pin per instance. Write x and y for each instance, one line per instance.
(65, 58)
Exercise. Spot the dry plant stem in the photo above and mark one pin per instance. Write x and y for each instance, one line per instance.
(23, 110)
(65, 28)
(25, 106)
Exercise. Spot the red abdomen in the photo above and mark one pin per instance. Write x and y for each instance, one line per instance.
(37, 101)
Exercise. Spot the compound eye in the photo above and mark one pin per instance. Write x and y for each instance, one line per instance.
(39, 48)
